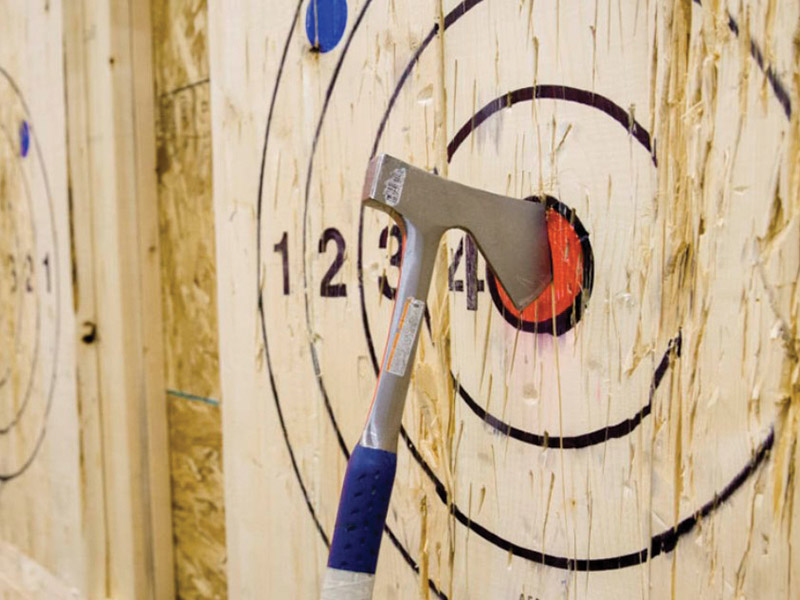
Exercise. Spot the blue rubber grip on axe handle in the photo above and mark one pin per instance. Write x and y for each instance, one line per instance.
(363, 505)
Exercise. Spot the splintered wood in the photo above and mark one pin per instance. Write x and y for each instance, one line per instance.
(631, 434)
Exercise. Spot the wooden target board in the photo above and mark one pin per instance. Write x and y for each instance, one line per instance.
(30, 304)
(630, 433)
(39, 432)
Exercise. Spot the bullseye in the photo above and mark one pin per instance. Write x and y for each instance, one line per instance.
(562, 303)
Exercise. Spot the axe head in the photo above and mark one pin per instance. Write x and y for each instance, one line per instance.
(510, 233)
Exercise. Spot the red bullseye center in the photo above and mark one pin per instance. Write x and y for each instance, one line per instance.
(567, 257)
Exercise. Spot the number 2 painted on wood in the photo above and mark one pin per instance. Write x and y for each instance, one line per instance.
(326, 288)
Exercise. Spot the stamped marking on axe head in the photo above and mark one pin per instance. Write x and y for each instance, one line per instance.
(393, 187)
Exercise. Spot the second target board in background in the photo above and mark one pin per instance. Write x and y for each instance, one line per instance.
(551, 459)
(29, 311)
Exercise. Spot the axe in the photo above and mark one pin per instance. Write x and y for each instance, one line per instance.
(512, 236)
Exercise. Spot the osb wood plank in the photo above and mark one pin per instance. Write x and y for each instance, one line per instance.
(113, 167)
(648, 448)
(180, 43)
(42, 491)
(188, 273)
(199, 526)
(187, 234)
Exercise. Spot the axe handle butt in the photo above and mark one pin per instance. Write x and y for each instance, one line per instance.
(360, 520)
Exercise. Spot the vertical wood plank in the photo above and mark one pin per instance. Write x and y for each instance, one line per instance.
(111, 117)
(95, 515)
(245, 479)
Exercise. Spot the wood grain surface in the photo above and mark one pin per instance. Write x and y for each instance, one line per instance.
(630, 435)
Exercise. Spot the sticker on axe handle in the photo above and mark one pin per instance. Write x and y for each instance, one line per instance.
(403, 342)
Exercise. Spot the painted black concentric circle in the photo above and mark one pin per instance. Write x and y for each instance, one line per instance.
(660, 543)
(28, 140)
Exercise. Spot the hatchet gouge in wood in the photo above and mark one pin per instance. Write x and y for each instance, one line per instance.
(512, 235)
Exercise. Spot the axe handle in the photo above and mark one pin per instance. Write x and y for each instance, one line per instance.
(359, 524)
(369, 478)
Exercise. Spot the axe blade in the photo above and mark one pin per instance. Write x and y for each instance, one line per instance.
(510, 233)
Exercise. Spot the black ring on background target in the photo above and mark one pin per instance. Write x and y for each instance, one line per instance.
(7, 427)
(10, 475)
(4, 373)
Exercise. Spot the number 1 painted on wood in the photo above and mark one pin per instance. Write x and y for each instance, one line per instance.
(283, 248)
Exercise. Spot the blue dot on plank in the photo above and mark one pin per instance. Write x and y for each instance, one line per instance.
(325, 23)
(24, 139)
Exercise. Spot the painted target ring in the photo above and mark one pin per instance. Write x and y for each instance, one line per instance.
(29, 286)
(309, 189)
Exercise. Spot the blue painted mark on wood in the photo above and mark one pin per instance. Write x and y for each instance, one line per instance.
(24, 138)
(193, 397)
(325, 23)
